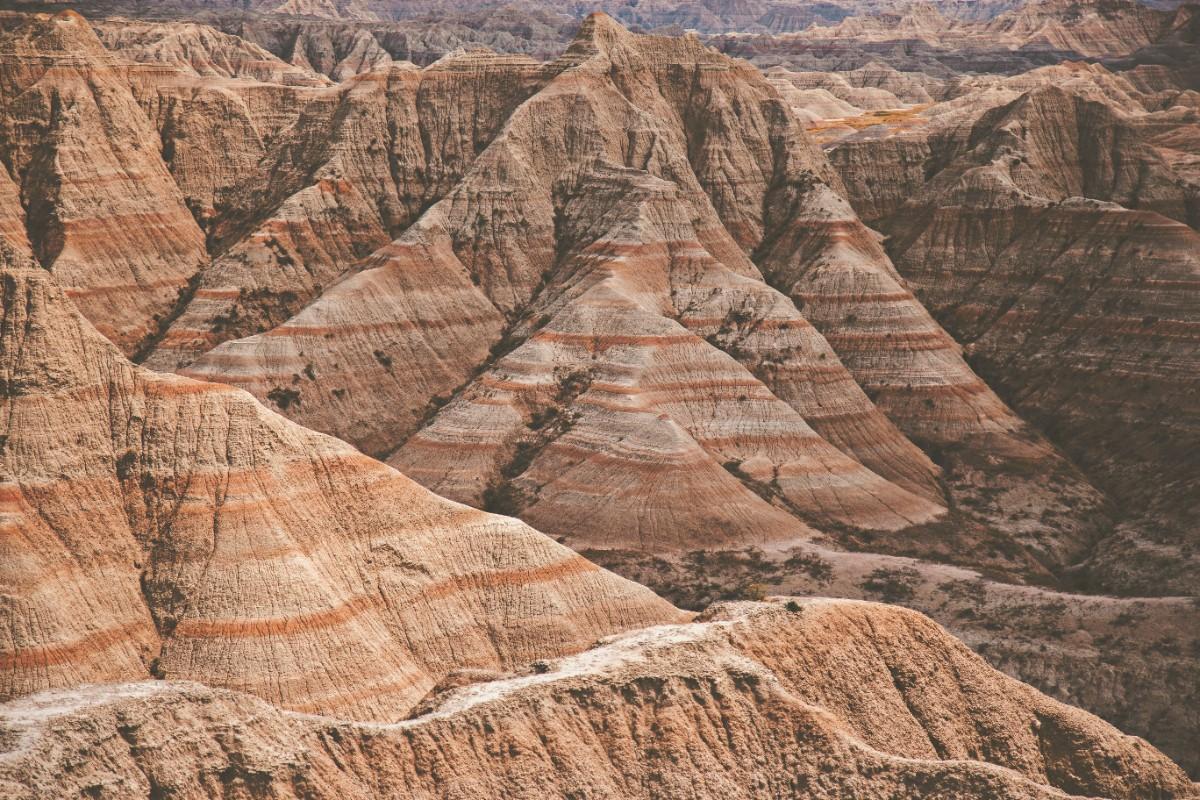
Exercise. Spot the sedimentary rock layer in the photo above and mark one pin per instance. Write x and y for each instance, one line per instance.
(1043, 232)
(154, 525)
(101, 210)
(818, 698)
(616, 273)
(357, 165)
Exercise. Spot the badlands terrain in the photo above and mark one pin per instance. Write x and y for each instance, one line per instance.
(766, 399)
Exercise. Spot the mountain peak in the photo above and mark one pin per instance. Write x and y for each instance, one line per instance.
(599, 32)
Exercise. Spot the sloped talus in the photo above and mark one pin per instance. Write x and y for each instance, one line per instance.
(202, 51)
(839, 275)
(612, 381)
(820, 699)
(359, 164)
(157, 525)
(774, 198)
(1085, 314)
(740, 140)
(584, 225)
(102, 212)
(1080, 311)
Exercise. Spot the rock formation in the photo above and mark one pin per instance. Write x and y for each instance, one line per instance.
(154, 525)
(522, 254)
(623, 296)
(200, 50)
(354, 166)
(826, 699)
(101, 211)
(1048, 234)
(938, 43)
(512, 255)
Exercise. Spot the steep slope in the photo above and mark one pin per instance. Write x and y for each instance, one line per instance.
(810, 245)
(13, 237)
(604, 385)
(552, 209)
(1082, 311)
(101, 209)
(574, 310)
(1080, 27)
(941, 42)
(1126, 659)
(354, 166)
(338, 57)
(506, 252)
(154, 525)
(816, 698)
(1089, 28)
(201, 50)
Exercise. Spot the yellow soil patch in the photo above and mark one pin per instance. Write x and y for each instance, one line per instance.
(894, 117)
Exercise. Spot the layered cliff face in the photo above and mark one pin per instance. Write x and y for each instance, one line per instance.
(622, 296)
(599, 331)
(158, 526)
(201, 50)
(524, 245)
(100, 209)
(821, 698)
(350, 167)
(1087, 28)
(562, 244)
(939, 43)
(1048, 233)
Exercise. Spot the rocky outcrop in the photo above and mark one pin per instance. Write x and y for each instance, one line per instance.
(605, 385)
(158, 526)
(356, 167)
(339, 58)
(554, 224)
(628, 273)
(824, 698)
(939, 44)
(1096, 342)
(200, 50)
(598, 318)
(324, 9)
(1020, 232)
(1089, 28)
(1092, 651)
(100, 208)
(1080, 27)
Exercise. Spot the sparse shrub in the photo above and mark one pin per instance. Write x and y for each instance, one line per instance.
(436, 403)
(542, 418)
(502, 497)
(125, 464)
(748, 591)
(892, 585)
(811, 565)
(284, 398)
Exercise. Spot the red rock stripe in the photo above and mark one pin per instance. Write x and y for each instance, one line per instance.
(61, 653)
(123, 288)
(402, 325)
(275, 626)
(855, 297)
(339, 615)
(490, 581)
